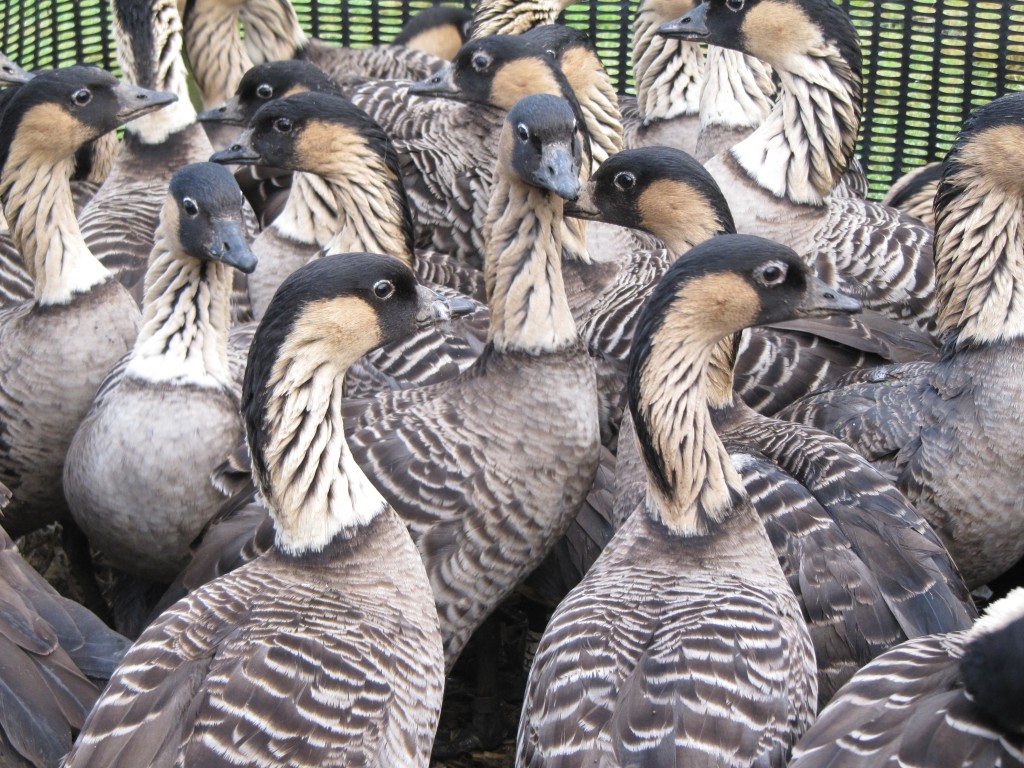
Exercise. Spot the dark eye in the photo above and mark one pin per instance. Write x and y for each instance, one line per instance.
(551, 53)
(82, 96)
(264, 91)
(523, 132)
(282, 125)
(383, 289)
(481, 61)
(189, 206)
(624, 180)
(734, 5)
(772, 273)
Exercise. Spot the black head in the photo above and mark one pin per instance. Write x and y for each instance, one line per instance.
(660, 190)
(266, 82)
(304, 132)
(987, 152)
(541, 144)
(206, 202)
(775, 31)
(991, 663)
(439, 30)
(554, 40)
(498, 70)
(331, 312)
(11, 73)
(56, 112)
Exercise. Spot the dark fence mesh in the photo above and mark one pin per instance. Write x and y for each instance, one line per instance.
(927, 64)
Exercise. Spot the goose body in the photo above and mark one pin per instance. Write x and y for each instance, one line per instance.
(914, 192)
(780, 179)
(137, 472)
(55, 348)
(324, 651)
(930, 425)
(862, 586)
(943, 700)
(689, 588)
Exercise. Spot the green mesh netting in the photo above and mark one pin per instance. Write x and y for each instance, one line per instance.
(927, 64)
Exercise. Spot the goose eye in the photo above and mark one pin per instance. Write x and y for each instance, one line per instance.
(189, 206)
(383, 289)
(82, 96)
(624, 180)
(735, 5)
(264, 91)
(773, 273)
(551, 53)
(481, 61)
(282, 125)
(523, 132)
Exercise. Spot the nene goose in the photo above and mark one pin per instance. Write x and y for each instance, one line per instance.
(779, 180)
(137, 471)
(119, 222)
(56, 658)
(684, 644)
(940, 701)
(324, 651)
(863, 585)
(949, 433)
(272, 33)
(56, 349)
(489, 468)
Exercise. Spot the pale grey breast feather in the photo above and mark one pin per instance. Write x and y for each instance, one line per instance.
(351, 67)
(908, 708)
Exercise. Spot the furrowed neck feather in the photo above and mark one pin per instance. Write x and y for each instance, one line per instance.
(272, 31)
(314, 211)
(157, 65)
(312, 486)
(38, 205)
(598, 101)
(736, 92)
(373, 212)
(721, 393)
(523, 267)
(692, 485)
(979, 260)
(185, 319)
(668, 73)
(216, 54)
(513, 17)
(802, 149)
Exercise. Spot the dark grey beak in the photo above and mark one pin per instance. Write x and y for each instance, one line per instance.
(692, 26)
(438, 84)
(821, 300)
(583, 207)
(11, 73)
(436, 308)
(228, 113)
(558, 171)
(133, 102)
(239, 152)
(230, 246)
